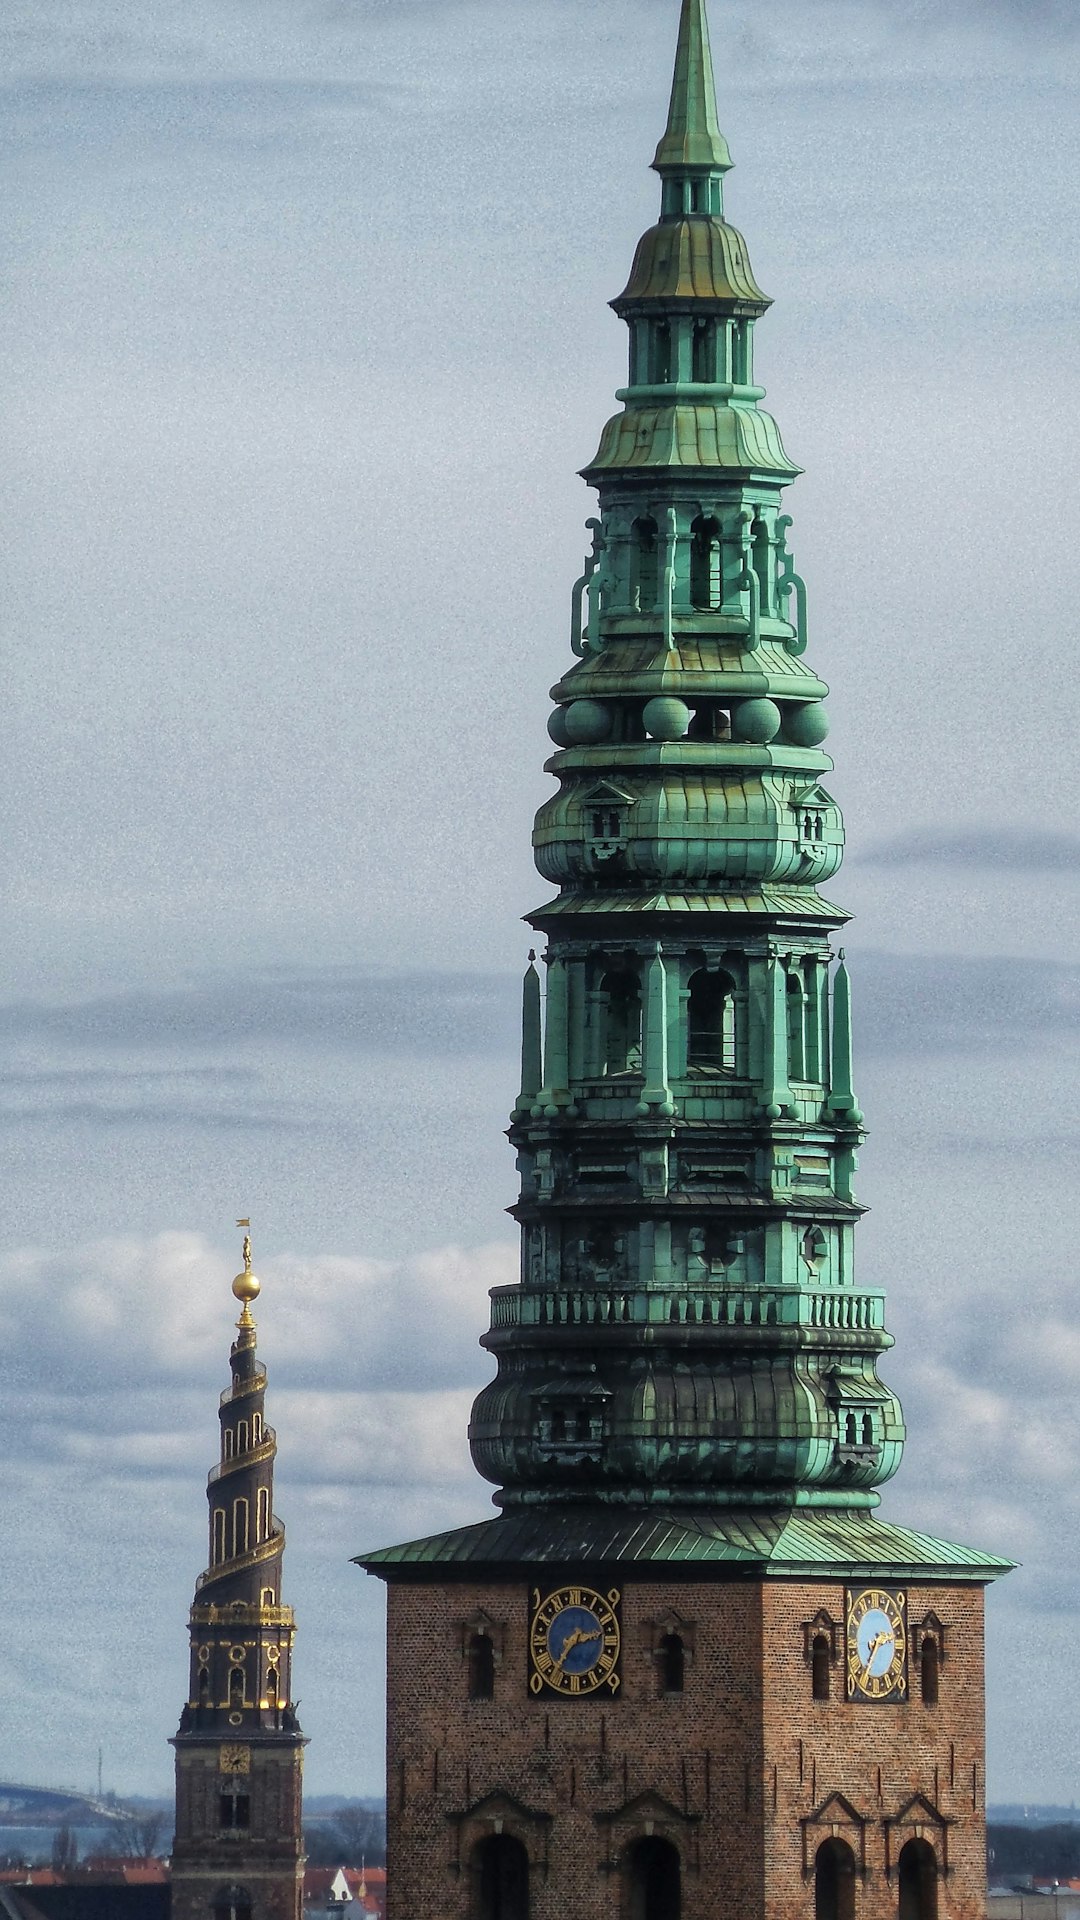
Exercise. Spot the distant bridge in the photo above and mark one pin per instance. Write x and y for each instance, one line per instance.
(51, 1807)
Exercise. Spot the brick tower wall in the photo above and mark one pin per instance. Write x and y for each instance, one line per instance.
(743, 1771)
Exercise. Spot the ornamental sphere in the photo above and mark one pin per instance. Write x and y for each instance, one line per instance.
(757, 721)
(806, 726)
(587, 723)
(557, 728)
(666, 719)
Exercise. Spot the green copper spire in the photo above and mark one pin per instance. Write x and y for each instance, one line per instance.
(688, 1364)
(693, 138)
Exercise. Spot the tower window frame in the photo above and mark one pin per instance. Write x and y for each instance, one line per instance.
(706, 563)
(711, 1022)
(234, 1811)
(621, 1008)
(645, 564)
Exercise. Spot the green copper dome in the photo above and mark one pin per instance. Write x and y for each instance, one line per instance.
(693, 260)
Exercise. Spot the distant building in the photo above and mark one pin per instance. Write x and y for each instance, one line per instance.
(238, 1851)
(351, 1892)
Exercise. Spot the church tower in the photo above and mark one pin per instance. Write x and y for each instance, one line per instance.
(238, 1851)
(688, 1672)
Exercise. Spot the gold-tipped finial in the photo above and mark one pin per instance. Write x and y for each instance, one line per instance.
(246, 1286)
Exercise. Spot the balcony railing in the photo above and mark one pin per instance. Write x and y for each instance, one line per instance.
(825, 1307)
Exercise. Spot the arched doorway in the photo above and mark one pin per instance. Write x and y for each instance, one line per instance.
(834, 1881)
(917, 1875)
(500, 1867)
(654, 1881)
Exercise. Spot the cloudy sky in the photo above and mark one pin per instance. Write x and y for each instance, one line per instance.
(303, 336)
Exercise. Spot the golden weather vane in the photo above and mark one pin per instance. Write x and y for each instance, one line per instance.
(246, 1287)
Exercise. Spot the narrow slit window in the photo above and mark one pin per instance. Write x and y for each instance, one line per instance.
(672, 1663)
(645, 565)
(481, 1667)
(705, 563)
(929, 1671)
(820, 1667)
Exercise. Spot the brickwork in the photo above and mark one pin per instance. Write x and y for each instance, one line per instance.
(743, 1771)
(263, 1859)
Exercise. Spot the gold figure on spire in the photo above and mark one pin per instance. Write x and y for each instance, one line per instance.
(246, 1286)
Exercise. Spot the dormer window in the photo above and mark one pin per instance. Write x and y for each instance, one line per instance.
(811, 806)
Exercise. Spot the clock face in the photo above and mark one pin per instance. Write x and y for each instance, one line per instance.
(574, 1642)
(876, 1644)
(234, 1759)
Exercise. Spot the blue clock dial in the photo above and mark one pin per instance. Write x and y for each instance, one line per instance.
(574, 1642)
(877, 1644)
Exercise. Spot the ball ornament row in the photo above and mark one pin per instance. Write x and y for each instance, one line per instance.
(588, 723)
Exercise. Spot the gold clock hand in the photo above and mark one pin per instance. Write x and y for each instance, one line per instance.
(576, 1639)
(880, 1640)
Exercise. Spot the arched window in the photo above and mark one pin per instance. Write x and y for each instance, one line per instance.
(271, 1686)
(706, 589)
(241, 1436)
(268, 1596)
(661, 353)
(917, 1876)
(796, 1026)
(711, 1022)
(868, 1429)
(231, 1903)
(672, 1663)
(500, 1877)
(218, 1552)
(262, 1514)
(481, 1667)
(929, 1671)
(240, 1526)
(622, 1026)
(834, 1881)
(644, 565)
(851, 1430)
(655, 1881)
(204, 1686)
(228, 1441)
(236, 1686)
(256, 1429)
(820, 1666)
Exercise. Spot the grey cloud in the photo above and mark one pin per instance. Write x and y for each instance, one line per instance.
(1007, 849)
(925, 1004)
(341, 1007)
